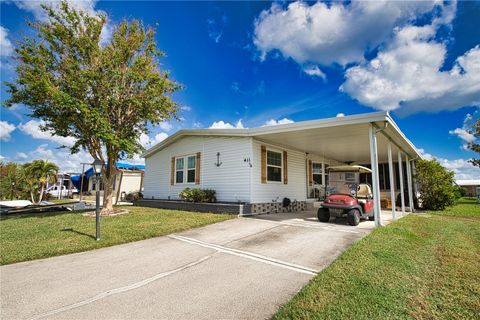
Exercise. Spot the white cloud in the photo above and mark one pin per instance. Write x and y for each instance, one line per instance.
(61, 157)
(6, 47)
(186, 108)
(273, 122)
(340, 114)
(225, 125)
(314, 71)
(463, 169)
(88, 6)
(5, 130)
(32, 128)
(165, 125)
(407, 75)
(148, 142)
(463, 134)
(336, 32)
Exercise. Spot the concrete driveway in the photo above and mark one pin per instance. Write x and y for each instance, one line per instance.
(241, 268)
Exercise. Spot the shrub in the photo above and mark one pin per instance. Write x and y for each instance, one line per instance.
(436, 185)
(198, 195)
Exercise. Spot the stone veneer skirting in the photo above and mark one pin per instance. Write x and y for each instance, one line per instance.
(277, 207)
(232, 208)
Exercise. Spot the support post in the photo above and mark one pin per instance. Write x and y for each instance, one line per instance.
(375, 178)
(97, 207)
(400, 176)
(409, 184)
(392, 184)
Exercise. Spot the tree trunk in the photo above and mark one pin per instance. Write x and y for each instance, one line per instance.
(42, 190)
(108, 182)
(31, 195)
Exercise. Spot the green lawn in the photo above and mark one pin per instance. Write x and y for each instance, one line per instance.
(35, 236)
(424, 266)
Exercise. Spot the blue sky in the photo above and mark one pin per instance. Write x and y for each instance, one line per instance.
(247, 64)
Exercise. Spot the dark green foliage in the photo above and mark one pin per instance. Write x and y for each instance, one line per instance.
(198, 195)
(475, 146)
(436, 185)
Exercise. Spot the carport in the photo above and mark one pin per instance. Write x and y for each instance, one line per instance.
(367, 138)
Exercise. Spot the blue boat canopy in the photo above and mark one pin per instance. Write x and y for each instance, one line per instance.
(77, 180)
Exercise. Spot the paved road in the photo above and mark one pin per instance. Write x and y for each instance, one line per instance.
(242, 268)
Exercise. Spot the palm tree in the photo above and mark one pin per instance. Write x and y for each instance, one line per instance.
(38, 173)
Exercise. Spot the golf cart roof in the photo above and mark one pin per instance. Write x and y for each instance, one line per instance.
(359, 169)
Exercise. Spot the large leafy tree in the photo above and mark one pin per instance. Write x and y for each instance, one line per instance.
(103, 96)
(473, 145)
(37, 174)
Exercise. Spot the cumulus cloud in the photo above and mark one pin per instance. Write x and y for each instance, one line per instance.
(340, 114)
(464, 133)
(225, 125)
(66, 161)
(5, 129)
(273, 122)
(6, 47)
(408, 75)
(165, 125)
(33, 129)
(148, 142)
(463, 169)
(333, 33)
(88, 6)
(314, 71)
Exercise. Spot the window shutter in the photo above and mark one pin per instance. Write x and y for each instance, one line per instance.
(172, 172)
(310, 173)
(197, 168)
(285, 168)
(264, 164)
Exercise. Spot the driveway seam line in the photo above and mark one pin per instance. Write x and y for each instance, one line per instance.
(123, 289)
(249, 255)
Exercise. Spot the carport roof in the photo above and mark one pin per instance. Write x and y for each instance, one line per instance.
(344, 139)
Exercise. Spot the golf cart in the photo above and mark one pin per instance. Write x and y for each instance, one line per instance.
(346, 195)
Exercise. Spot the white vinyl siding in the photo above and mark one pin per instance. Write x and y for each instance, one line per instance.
(295, 189)
(231, 180)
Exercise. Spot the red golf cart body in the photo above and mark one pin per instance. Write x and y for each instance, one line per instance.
(358, 204)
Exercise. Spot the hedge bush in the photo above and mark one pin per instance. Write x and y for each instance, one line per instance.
(198, 195)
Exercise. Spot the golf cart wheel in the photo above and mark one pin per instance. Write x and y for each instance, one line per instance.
(371, 218)
(353, 217)
(323, 215)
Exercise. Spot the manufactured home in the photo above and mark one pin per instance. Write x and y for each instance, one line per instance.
(261, 166)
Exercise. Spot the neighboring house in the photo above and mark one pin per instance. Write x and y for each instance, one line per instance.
(261, 166)
(129, 178)
(471, 187)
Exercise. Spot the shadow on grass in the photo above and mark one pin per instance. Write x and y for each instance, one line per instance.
(79, 232)
(45, 214)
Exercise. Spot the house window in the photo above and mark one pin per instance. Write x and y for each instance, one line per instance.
(317, 173)
(185, 169)
(274, 166)
(179, 168)
(191, 167)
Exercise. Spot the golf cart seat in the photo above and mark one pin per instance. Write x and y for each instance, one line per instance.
(364, 192)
